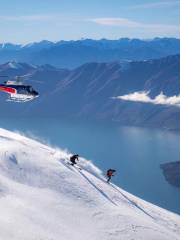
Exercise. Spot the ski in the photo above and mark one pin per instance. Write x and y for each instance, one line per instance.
(77, 167)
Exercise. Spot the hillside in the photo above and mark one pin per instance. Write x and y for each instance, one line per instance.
(42, 197)
(97, 91)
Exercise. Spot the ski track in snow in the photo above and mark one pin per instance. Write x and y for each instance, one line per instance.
(44, 198)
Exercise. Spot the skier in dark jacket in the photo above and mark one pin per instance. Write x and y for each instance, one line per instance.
(73, 159)
(109, 174)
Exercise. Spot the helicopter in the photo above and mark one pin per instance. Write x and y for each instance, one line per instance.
(18, 91)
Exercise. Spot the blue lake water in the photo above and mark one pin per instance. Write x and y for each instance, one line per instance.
(136, 153)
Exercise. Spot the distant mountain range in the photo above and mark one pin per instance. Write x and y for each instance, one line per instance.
(71, 54)
(87, 92)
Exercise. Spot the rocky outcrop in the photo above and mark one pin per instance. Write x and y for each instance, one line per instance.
(171, 172)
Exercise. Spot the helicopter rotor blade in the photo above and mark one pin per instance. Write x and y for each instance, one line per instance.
(22, 78)
(25, 76)
(19, 79)
(36, 81)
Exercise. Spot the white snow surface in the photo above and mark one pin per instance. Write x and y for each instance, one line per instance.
(44, 198)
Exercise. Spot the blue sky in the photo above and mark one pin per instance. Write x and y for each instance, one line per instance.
(28, 21)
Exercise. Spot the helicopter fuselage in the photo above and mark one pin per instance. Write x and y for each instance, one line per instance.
(19, 92)
(18, 89)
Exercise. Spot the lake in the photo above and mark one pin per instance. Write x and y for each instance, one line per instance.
(136, 153)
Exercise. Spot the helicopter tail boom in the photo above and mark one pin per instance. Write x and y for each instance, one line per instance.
(8, 89)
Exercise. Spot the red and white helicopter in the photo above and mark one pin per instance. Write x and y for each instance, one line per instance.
(17, 90)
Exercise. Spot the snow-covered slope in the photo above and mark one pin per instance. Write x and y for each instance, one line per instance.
(44, 198)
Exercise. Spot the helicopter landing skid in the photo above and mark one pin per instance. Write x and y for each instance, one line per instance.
(19, 98)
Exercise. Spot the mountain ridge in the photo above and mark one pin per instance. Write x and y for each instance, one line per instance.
(71, 54)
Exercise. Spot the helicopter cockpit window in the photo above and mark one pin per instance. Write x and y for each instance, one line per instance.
(30, 89)
(22, 90)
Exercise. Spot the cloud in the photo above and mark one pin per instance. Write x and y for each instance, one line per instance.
(145, 98)
(155, 28)
(115, 22)
(162, 4)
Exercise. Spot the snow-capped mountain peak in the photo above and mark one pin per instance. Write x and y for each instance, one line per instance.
(43, 197)
(13, 64)
(38, 45)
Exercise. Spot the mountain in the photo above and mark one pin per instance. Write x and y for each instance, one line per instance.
(91, 92)
(42, 197)
(71, 54)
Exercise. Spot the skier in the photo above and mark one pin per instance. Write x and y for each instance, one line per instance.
(73, 159)
(109, 174)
